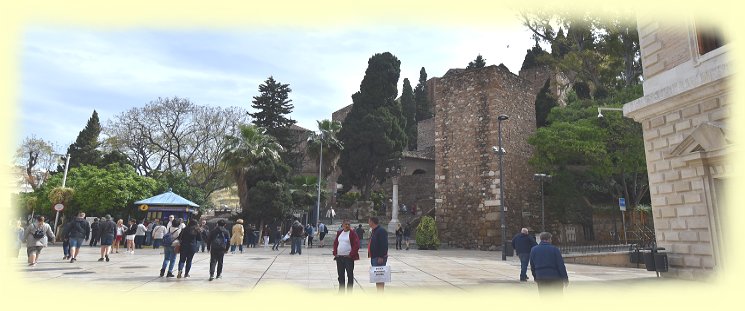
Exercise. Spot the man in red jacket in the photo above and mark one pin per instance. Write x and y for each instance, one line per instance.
(346, 251)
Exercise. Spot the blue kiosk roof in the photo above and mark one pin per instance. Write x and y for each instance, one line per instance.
(169, 199)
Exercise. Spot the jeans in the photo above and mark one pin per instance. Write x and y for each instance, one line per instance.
(216, 257)
(139, 240)
(398, 241)
(240, 248)
(148, 238)
(374, 261)
(169, 258)
(156, 243)
(200, 245)
(296, 244)
(524, 258)
(345, 264)
(66, 248)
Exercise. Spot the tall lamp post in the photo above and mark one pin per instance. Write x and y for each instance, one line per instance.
(500, 151)
(320, 164)
(543, 178)
(64, 179)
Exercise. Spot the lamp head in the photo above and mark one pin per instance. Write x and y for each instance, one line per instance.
(600, 114)
(502, 117)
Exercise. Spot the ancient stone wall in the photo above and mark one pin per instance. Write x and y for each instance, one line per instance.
(467, 104)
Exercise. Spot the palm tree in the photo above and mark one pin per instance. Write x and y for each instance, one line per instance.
(251, 157)
(332, 147)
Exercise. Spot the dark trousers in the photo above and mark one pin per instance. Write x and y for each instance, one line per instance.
(139, 240)
(156, 243)
(524, 258)
(296, 244)
(345, 264)
(276, 244)
(398, 241)
(550, 287)
(95, 237)
(216, 257)
(201, 245)
(186, 255)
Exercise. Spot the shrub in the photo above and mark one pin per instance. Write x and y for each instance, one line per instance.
(426, 234)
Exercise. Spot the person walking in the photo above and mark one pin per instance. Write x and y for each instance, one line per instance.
(251, 237)
(399, 237)
(169, 253)
(346, 251)
(360, 233)
(65, 240)
(407, 235)
(237, 236)
(130, 234)
(18, 233)
(547, 266)
(522, 243)
(188, 240)
(309, 232)
(108, 231)
(77, 232)
(95, 232)
(322, 231)
(296, 235)
(37, 235)
(265, 233)
(149, 233)
(140, 234)
(204, 233)
(377, 247)
(277, 238)
(217, 244)
(158, 232)
(121, 230)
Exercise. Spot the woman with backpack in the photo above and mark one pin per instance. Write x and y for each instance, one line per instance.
(188, 243)
(169, 253)
(37, 236)
(217, 244)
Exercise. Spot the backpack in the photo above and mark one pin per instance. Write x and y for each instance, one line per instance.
(168, 237)
(38, 232)
(219, 240)
(325, 229)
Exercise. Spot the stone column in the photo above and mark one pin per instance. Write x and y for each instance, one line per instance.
(393, 224)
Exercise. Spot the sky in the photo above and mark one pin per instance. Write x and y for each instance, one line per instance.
(67, 72)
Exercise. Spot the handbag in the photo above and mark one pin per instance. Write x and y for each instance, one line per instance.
(286, 237)
(380, 274)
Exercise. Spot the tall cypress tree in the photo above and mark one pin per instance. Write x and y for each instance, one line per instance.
(272, 109)
(373, 132)
(84, 151)
(544, 101)
(423, 107)
(408, 104)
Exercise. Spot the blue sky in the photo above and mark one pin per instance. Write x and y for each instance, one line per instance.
(67, 72)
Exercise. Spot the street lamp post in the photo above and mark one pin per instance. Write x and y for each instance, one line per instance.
(320, 164)
(501, 118)
(64, 179)
(543, 178)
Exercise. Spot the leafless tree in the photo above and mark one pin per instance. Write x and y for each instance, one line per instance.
(38, 160)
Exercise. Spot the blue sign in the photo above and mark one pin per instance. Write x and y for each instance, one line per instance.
(622, 204)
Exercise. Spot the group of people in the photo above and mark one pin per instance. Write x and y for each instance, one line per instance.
(545, 261)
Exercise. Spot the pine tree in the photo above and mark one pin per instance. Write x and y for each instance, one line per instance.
(408, 104)
(373, 133)
(84, 151)
(544, 101)
(479, 62)
(273, 106)
(423, 107)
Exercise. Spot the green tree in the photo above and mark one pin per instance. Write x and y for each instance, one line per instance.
(271, 200)
(423, 106)
(85, 148)
(408, 104)
(328, 133)
(426, 234)
(273, 107)
(98, 191)
(373, 132)
(252, 157)
(479, 62)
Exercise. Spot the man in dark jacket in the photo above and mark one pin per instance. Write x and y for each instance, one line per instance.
(217, 244)
(522, 243)
(296, 236)
(79, 231)
(107, 229)
(547, 266)
(360, 233)
(95, 233)
(377, 247)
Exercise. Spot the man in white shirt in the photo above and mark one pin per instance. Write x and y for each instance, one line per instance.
(170, 221)
(158, 232)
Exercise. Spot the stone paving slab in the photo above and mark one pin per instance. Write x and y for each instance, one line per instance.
(315, 269)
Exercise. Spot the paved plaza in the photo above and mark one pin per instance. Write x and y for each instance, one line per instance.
(449, 269)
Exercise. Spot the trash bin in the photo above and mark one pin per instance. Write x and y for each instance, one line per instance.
(649, 261)
(635, 256)
(508, 249)
(660, 262)
(654, 260)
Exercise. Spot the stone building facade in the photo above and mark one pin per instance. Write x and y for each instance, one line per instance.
(683, 112)
(466, 105)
